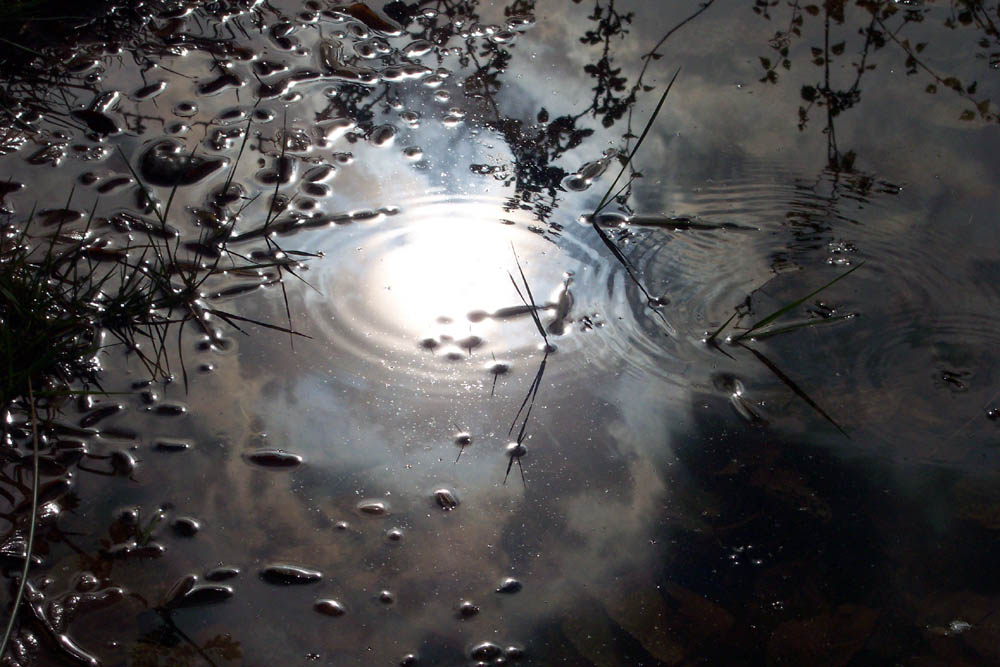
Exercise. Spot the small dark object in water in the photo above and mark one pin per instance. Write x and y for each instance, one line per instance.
(329, 607)
(122, 463)
(516, 449)
(186, 526)
(168, 445)
(485, 651)
(96, 121)
(273, 458)
(514, 652)
(167, 163)
(509, 585)
(222, 573)
(205, 594)
(101, 413)
(287, 575)
(446, 499)
(362, 12)
(170, 409)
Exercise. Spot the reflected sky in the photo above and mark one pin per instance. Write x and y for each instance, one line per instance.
(627, 519)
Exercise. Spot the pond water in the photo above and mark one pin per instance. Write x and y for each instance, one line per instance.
(425, 473)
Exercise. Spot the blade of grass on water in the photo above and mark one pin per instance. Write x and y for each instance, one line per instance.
(795, 304)
(794, 387)
(649, 124)
(530, 301)
(777, 331)
(715, 334)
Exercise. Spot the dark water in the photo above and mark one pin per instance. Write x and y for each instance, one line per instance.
(828, 495)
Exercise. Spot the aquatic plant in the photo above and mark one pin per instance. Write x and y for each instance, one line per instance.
(767, 327)
(518, 449)
(611, 194)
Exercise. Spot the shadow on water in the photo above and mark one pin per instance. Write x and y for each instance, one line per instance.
(231, 493)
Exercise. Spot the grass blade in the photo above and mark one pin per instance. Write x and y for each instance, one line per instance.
(794, 387)
(778, 330)
(607, 198)
(795, 304)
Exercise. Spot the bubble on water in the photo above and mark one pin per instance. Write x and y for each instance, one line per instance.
(366, 214)
(485, 651)
(386, 597)
(263, 115)
(411, 118)
(516, 449)
(513, 652)
(371, 19)
(503, 36)
(585, 176)
(365, 49)
(186, 526)
(413, 153)
(225, 81)
(451, 120)
(283, 574)
(463, 439)
(222, 573)
(171, 445)
(319, 174)
(434, 81)
(520, 22)
(467, 609)
(445, 499)
(442, 96)
(168, 163)
(332, 130)
(509, 585)
(150, 91)
(383, 136)
(100, 414)
(329, 607)
(400, 73)
(230, 116)
(335, 65)
(169, 409)
(408, 660)
(373, 507)
(185, 109)
(316, 189)
(204, 594)
(498, 367)
(417, 48)
(273, 458)
(394, 535)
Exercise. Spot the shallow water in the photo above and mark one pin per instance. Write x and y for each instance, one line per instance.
(824, 495)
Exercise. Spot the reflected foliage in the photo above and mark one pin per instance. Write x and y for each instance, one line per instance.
(848, 37)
